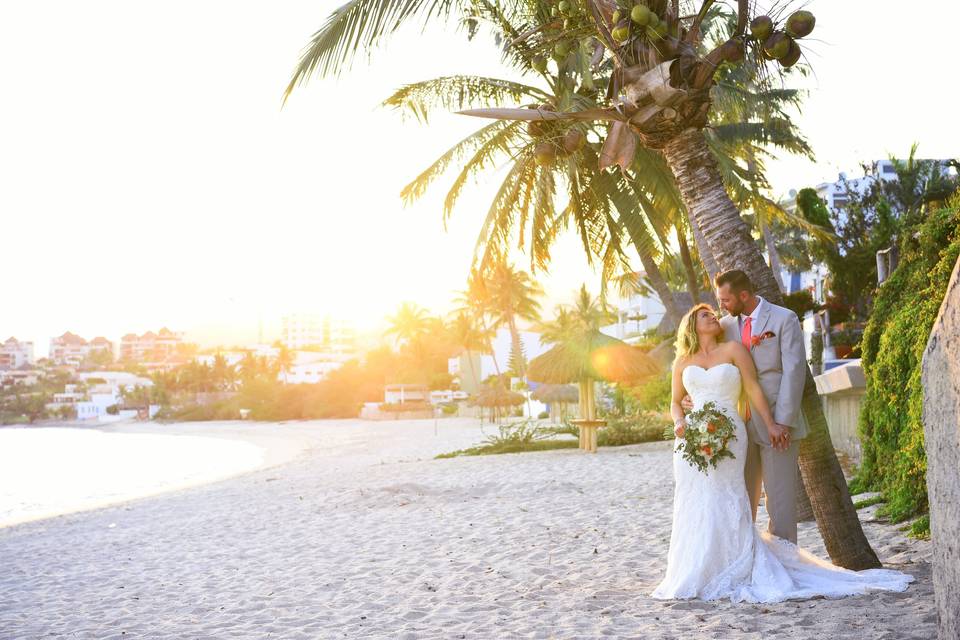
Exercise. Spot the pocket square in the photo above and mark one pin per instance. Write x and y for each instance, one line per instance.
(755, 340)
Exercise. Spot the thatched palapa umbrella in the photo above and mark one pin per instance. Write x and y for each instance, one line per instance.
(556, 394)
(496, 397)
(594, 356)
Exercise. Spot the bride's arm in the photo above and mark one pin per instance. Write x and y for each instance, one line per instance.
(677, 393)
(748, 372)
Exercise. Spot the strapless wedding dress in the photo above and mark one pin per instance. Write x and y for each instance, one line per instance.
(716, 551)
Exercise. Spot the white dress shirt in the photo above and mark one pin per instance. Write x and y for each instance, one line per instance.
(753, 316)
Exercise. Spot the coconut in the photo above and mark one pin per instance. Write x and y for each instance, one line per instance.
(573, 141)
(539, 63)
(616, 17)
(641, 15)
(732, 50)
(778, 45)
(792, 55)
(535, 128)
(564, 7)
(621, 34)
(561, 50)
(653, 20)
(657, 32)
(800, 24)
(761, 27)
(545, 153)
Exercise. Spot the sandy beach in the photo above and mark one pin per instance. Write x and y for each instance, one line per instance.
(350, 529)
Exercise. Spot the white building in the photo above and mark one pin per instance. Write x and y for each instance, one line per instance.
(470, 369)
(837, 194)
(311, 330)
(114, 380)
(15, 354)
(636, 314)
(23, 377)
(68, 348)
(162, 346)
(311, 367)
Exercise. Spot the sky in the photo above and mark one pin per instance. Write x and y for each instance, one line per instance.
(151, 178)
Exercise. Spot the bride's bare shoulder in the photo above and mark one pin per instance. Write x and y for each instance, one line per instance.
(734, 349)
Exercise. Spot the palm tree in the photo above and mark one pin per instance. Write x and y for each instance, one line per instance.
(663, 102)
(474, 302)
(408, 323)
(467, 334)
(513, 296)
(284, 361)
(658, 100)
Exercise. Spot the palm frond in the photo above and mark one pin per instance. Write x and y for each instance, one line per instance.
(469, 145)
(454, 93)
(484, 157)
(356, 25)
(544, 210)
(778, 132)
(491, 246)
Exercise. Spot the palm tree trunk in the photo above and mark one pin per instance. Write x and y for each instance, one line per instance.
(706, 256)
(729, 240)
(774, 255)
(659, 284)
(688, 266)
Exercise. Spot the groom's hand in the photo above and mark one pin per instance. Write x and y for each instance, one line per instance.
(779, 437)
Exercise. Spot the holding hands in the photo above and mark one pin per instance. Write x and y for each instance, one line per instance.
(779, 434)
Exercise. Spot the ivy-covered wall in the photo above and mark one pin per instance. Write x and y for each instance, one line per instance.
(891, 421)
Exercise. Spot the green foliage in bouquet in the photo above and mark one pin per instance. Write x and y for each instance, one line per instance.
(706, 438)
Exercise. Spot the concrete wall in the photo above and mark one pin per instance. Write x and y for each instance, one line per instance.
(842, 390)
(941, 425)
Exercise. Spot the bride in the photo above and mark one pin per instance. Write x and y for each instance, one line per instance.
(715, 550)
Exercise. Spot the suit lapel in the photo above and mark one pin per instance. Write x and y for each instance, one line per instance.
(762, 320)
(731, 328)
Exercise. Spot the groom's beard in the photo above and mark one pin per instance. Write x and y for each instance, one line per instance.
(736, 309)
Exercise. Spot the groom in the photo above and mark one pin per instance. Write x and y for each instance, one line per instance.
(775, 340)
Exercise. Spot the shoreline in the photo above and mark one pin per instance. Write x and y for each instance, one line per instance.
(270, 451)
(278, 443)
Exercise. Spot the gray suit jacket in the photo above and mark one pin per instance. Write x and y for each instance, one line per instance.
(781, 362)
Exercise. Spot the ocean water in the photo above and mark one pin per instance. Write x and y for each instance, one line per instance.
(48, 471)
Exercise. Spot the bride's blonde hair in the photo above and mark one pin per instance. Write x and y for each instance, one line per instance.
(688, 343)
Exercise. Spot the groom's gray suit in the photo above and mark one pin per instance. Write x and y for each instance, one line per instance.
(781, 368)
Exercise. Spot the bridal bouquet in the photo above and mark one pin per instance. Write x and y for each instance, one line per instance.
(704, 442)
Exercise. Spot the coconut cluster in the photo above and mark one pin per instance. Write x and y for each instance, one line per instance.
(558, 142)
(639, 20)
(572, 14)
(781, 44)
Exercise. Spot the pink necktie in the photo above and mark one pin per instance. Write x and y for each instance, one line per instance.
(746, 334)
(746, 337)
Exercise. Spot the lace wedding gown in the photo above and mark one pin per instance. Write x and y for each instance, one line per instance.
(717, 552)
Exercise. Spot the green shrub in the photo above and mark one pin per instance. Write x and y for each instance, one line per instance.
(525, 435)
(891, 426)
(449, 408)
(645, 427)
(800, 302)
(655, 395)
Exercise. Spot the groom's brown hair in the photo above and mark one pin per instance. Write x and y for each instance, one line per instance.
(738, 281)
